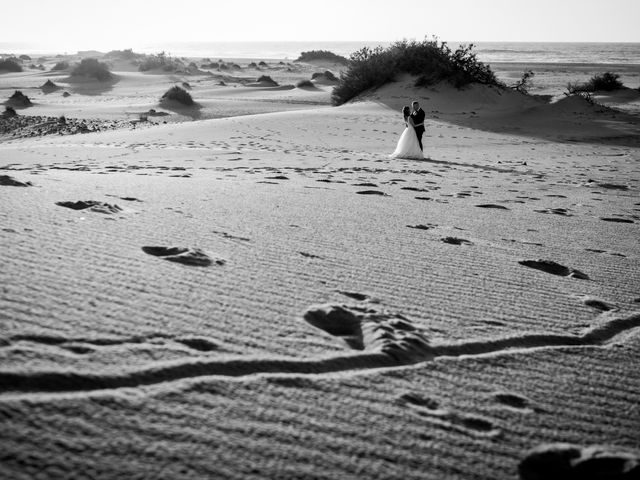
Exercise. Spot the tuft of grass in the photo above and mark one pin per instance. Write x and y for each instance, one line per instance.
(10, 66)
(322, 55)
(606, 82)
(179, 95)
(263, 64)
(431, 61)
(524, 83)
(305, 84)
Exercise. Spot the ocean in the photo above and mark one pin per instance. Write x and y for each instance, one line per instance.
(488, 52)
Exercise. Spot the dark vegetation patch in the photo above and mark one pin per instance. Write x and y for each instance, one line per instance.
(62, 65)
(9, 65)
(19, 100)
(92, 68)
(325, 55)
(177, 94)
(605, 82)
(430, 61)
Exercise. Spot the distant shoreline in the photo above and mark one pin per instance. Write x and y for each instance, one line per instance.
(489, 52)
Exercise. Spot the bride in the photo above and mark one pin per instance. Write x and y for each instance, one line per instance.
(408, 146)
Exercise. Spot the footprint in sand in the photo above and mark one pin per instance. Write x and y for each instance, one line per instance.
(365, 184)
(187, 256)
(92, 205)
(426, 407)
(309, 255)
(613, 186)
(420, 226)
(198, 343)
(512, 400)
(372, 192)
(554, 268)
(492, 205)
(555, 211)
(456, 241)
(615, 219)
(564, 461)
(360, 297)
(363, 328)
(6, 180)
(598, 304)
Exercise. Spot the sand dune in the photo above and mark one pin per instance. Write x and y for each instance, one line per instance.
(264, 293)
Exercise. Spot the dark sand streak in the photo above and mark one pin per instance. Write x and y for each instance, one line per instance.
(71, 381)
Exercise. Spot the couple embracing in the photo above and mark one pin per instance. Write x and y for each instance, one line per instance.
(410, 143)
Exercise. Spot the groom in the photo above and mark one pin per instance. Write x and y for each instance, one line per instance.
(418, 121)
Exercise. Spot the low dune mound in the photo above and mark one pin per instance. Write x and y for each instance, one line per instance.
(91, 68)
(9, 65)
(177, 95)
(19, 100)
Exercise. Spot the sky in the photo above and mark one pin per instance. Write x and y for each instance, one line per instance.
(111, 24)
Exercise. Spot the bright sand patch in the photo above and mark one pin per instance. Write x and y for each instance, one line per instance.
(300, 329)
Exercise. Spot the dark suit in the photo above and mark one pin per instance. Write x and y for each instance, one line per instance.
(418, 121)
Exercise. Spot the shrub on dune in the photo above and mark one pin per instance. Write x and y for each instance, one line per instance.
(326, 75)
(607, 82)
(127, 54)
(267, 79)
(432, 62)
(19, 99)
(92, 68)
(159, 61)
(26, 58)
(179, 95)
(325, 55)
(49, 86)
(63, 65)
(10, 66)
(305, 84)
(9, 112)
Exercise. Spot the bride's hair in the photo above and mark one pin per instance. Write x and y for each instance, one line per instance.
(406, 111)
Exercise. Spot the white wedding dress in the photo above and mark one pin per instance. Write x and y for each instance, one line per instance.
(408, 146)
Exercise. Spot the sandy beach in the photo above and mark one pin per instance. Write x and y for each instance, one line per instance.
(252, 288)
